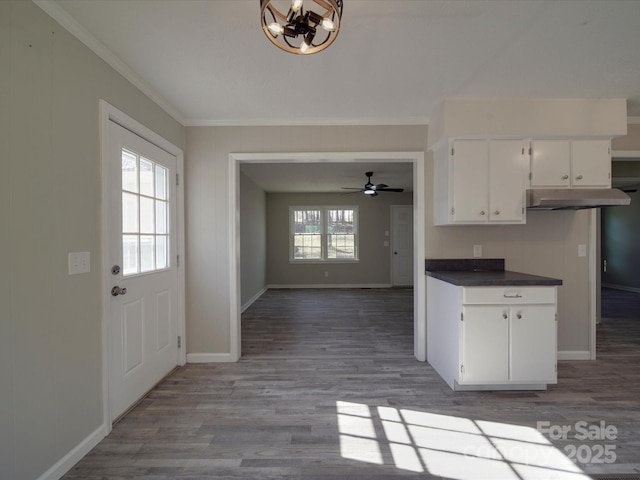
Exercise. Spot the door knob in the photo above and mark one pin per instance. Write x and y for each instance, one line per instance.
(115, 291)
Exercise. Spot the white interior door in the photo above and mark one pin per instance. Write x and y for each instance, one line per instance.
(402, 245)
(142, 327)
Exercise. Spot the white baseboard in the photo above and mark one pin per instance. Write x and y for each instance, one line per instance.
(209, 358)
(374, 285)
(620, 287)
(67, 462)
(253, 299)
(574, 355)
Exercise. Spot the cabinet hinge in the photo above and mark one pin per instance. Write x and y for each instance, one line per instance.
(523, 150)
(177, 179)
(530, 175)
(462, 317)
(452, 150)
(530, 151)
(461, 368)
(179, 341)
(452, 210)
(177, 260)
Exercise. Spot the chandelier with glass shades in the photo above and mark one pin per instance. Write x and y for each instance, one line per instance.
(301, 30)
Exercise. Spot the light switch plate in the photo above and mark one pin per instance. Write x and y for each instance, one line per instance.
(582, 250)
(477, 251)
(79, 262)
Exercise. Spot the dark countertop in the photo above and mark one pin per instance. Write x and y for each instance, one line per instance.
(492, 278)
(476, 272)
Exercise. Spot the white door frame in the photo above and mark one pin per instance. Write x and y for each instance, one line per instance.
(110, 113)
(419, 233)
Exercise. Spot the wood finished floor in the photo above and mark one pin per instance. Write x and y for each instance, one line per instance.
(311, 356)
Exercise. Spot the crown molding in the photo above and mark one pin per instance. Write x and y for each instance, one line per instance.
(313, 122)
(61, 16)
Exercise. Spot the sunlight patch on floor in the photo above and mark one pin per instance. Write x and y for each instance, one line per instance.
(455, 448)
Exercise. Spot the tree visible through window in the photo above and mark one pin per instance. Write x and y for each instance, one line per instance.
(324, 233)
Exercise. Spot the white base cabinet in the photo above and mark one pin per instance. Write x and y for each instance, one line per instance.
(481, 338)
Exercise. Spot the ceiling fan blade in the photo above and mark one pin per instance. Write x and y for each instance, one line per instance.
(381, 185)
(351, 188)
(396, 190)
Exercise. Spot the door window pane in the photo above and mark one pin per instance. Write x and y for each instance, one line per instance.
(147, 253)
(161, 216)
(161, 182)
(146, 177)
(129, 171)
(161, 251)
(129, 213)
(145, 215)
(129, 254)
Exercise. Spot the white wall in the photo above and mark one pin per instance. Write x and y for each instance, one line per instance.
(50, 204)
(546, 245)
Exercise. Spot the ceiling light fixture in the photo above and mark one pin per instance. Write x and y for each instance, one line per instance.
(301, 31)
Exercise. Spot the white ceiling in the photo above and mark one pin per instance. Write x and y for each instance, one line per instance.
(207, 62)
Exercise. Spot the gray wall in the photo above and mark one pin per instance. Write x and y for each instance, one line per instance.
(50, 204)
(546, 245)
(253, 239)
(374, 215)
(620, 246)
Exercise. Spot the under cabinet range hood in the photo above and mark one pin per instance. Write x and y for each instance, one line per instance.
(575, 198)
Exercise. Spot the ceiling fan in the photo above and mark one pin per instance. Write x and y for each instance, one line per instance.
(371, 189)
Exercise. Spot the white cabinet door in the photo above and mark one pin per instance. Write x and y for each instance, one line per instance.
(533, 348)
(507, 168)
(485, 344)
(591, 163)
(470, 179)
(550, 163)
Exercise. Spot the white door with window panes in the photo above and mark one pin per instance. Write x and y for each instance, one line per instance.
(143, 332)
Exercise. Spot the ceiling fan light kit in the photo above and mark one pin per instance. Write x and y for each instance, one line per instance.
(371, 189)
(301, 30)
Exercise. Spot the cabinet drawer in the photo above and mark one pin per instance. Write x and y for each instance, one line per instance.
(508, 295)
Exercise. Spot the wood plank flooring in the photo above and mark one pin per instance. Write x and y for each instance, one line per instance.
(328, 389)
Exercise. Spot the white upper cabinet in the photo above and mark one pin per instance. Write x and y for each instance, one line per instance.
(571, 163)
(591, 163)
(480, 182)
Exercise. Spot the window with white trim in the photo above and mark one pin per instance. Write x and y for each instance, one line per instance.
(323, 234)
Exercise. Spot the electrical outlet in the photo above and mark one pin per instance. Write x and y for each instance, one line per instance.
(326, 274)
(79, 262)
(477, 250)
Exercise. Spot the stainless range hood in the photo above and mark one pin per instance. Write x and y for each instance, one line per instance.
(575, 198)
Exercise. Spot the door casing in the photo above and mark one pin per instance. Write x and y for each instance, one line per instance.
(419, 232)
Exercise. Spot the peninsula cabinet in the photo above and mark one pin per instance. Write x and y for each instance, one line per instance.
(571, 163)
(492, 338)
(480, 182)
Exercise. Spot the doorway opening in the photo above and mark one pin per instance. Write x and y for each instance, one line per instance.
(416, 159)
